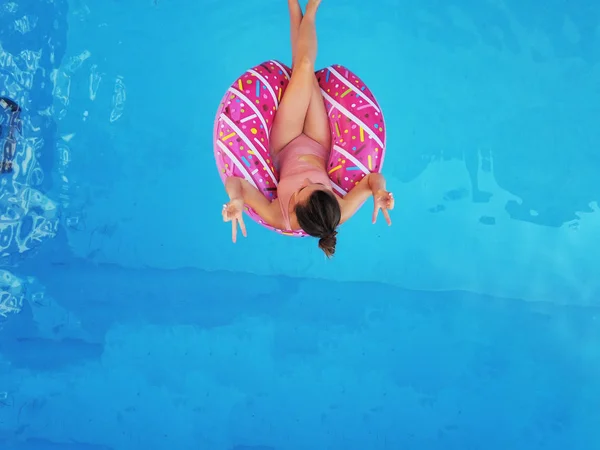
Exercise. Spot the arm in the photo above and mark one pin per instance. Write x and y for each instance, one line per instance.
(240, 189)
(368, 186)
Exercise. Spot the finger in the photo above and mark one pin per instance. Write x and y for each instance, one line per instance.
(375, 213)
(242, 226)
(386, 214)
(234, 230)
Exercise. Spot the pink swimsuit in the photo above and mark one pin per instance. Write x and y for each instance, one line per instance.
(293, 170)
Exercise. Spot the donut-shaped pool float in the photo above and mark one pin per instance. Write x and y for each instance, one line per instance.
(245, 116)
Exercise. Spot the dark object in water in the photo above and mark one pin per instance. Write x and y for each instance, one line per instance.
(12, 123)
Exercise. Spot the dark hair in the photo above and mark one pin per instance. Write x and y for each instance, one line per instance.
(319, 217)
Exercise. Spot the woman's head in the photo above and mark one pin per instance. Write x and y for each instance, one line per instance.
(319, 216)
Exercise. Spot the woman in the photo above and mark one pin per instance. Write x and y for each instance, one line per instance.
(300, 145)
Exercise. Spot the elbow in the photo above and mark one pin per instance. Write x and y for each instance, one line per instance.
(232, 180)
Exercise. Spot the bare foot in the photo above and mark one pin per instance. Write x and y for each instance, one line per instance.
(294, 5)
(312, 6)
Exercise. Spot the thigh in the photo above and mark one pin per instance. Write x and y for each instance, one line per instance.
(316, 125)
(291, 114)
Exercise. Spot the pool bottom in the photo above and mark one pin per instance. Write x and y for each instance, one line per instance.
(123, 359)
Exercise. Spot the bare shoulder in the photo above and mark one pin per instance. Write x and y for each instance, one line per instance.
(269, 211)
(355, 199)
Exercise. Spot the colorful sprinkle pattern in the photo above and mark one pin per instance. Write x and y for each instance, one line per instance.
(245, 117)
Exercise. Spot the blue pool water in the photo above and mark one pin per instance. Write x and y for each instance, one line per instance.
(130, 321)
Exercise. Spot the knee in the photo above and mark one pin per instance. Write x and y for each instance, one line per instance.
(305, 64)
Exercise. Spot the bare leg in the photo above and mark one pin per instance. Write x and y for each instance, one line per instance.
(295, 21)
(316, 124)
(306, 45)
(293, 109)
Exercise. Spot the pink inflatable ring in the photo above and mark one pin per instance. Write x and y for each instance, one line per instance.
(245, 116)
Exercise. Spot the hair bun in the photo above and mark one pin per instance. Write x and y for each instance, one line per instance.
(327, 244)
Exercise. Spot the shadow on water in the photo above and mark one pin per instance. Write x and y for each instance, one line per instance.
(544, 153)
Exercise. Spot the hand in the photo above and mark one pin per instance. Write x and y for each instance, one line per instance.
(384, 201)
(233, 212)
